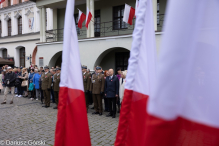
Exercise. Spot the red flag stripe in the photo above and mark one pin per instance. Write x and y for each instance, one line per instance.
(88, 19)
(132, 122)
(81, 20)
(71, 112)
(2, 1)
(131, 15)
(181, 132)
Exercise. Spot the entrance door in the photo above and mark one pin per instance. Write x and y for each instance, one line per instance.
(22, 57)
(122, 60)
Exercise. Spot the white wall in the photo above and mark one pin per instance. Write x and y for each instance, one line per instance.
(90, 49)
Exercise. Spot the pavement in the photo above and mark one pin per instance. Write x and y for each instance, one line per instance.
(27, 120)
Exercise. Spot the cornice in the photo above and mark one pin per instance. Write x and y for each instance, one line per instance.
(17, 7)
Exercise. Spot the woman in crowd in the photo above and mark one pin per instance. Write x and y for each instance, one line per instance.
(18, 82)
(24, 77)
(122, 85)
(118, 76)
(1, 87)
(36, 82)
(105, 99)
(40, 83)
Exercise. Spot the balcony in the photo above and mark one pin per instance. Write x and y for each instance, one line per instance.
(104, 29)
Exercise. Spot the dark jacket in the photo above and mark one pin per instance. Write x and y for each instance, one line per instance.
(111, 87)
(11, 77)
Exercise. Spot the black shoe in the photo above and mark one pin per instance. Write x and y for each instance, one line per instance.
(95, 113)
(47, 106)
(109, 115)
(92, 108)
(114, 116)
(106, 110)
(100, 114)
(55, 107)
(44, 106)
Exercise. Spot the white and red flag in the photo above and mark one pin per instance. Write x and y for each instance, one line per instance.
(139, 81)
(1, 1)
(88, 17)
(184, 107)
(129, 13)
(81, 18)
(72, 123)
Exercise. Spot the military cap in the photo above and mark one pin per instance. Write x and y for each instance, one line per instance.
(98, 68)
(46, 67)
(84, 67)
(58, 68)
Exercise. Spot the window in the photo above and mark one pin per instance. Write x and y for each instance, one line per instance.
(118, 13)
(9, 2)
(97, 23)
(158, 12)
(22, 57)
(0, 29)
(76, 23)
(20, 1)
(122, 60)
(20, 25)
(9, 27)
(4, 53)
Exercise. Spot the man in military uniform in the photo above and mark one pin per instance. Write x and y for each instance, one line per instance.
(46, 79)
(86, 83)
(56, 82)
(97, 88)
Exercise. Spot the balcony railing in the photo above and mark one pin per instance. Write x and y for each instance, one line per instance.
(111, 28)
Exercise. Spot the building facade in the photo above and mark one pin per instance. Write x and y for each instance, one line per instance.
(107, 41)
(20, 30)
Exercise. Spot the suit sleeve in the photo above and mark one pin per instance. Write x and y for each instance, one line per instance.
(105, 86)
(50, 82)
(88, 82)
(117, 86)
(102, 86)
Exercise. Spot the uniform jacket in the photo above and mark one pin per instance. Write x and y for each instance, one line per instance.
(86, 81)
(97, 83)
(111, 86)
(46, 81)
(56, 82)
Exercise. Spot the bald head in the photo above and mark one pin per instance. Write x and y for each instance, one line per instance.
(110, 72)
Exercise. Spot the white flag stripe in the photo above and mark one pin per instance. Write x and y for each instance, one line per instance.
(126, 13)
(188, 78)
(71, 75)
(88, 11)
(79, 14)
(141, 69)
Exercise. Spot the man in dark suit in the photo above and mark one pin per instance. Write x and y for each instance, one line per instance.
(111, 92)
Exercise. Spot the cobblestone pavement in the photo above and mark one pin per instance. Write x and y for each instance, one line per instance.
(28, 120)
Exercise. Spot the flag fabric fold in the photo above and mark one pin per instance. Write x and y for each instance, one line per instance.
(139, 81)
(88, 17)
(129, 13)
(183, 109)
(1, 1)
(81, 18)
(72, 123)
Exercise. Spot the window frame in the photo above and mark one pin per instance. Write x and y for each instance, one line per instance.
(76, 24)
(0, 28)
(115, 19)
(96, 33)
(19, 25)
(9, 2)
(4, 53)
(9, 27)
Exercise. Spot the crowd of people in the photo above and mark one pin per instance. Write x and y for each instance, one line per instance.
(104, 85)
(43, 84)
(33, 82)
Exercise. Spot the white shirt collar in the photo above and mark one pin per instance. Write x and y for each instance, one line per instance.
(46, 72)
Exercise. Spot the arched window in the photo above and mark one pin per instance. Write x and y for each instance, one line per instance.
(0, 28)
(9, 27)
(20, 25)
(4, 53)
(22, 57)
